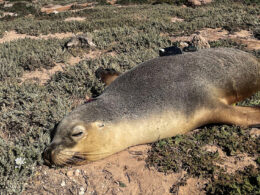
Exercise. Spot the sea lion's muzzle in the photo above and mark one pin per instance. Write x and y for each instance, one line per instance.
(50, 154)
(76, 159)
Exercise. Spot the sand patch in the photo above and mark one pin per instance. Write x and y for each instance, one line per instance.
(193, 186)
(7, 4)
(56, 8)
(62, 8)
(74, 19)
(111, 2)
(122, 173)
(42, 75)
(93, 54)
(176, 19)
(8, 14)
(13, 35)
(74, 60)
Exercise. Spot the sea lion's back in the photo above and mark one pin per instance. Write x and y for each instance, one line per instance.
(184, 81)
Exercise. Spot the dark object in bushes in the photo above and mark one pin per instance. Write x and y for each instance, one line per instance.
(80, 41)
(173, 50)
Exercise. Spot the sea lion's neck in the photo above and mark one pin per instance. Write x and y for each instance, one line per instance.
(151, 128)
(154, 127)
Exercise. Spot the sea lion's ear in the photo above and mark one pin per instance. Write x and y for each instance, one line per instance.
(107, 75)
(78, 131)
(99, 124)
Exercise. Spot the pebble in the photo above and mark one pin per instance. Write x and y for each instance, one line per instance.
(81, 191)
(69, 173)
(77, 172)
(63, 183)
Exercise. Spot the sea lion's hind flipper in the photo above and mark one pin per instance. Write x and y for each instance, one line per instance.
(238, 115)
(107, 75)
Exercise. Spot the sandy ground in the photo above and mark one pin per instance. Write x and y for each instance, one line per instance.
(75, 19)
(12, 36)
(122, 173)
(125, 173)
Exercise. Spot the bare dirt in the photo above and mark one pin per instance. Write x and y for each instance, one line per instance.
(111, 2)
(75, 19)
(42, 76)
(176, 19)
(62, 8)
(13, 35)
(122, 173)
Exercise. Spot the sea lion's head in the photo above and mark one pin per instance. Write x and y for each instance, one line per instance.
(81, 137)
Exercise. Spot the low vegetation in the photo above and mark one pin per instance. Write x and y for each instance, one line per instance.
(30, 111)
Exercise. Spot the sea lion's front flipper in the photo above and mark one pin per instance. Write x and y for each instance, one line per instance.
(107, 75)
(238, 115)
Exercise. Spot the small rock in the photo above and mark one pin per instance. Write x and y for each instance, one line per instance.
(77, 172)
(63, 183)
(200, 42)
(69, 173)
(81, 191)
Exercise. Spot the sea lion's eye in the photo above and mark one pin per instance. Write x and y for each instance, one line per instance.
(77, 134)
(78, 131)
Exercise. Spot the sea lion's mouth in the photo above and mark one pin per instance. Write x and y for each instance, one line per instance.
(75, 159)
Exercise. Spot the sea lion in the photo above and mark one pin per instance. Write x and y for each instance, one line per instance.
(157, 99)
